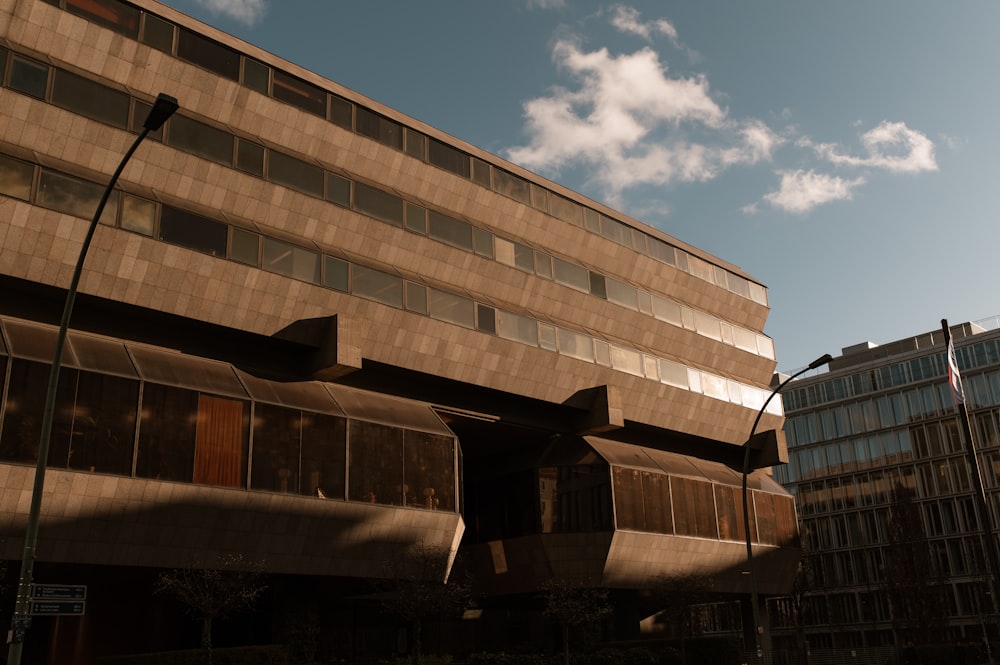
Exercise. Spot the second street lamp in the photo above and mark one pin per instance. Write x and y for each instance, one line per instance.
(162, 109)
(757, 628)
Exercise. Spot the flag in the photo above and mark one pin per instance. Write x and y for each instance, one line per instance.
(954, 378)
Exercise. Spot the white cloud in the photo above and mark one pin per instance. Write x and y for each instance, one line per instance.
(247, 12)
(546, 4)
(629, 123)
(626, 19)
(801, 191)
(891, 146)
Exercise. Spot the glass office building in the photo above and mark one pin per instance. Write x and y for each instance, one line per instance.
(877, 463)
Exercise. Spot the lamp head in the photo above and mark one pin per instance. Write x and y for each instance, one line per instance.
(163, 108)
(822, 360)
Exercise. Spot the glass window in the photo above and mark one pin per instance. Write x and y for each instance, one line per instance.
(341, 112)
(277, 445)
(298, 93)
(661, 251)
(167, 432)
(640, 241)
(74, 196)
(645, 303)
(709, 326)
(256, 75)
(208, 54)
(450, 230)
(622, 294)
(429, 471)
(627, 484)
(504, 251)
(701, 268)
(336, 274)
(448, 158)
(758, 293)
(200, 139)
(338, 190)
(524, 257)
(195, 232)
(294, 173)
(15, 178)
(244, 247)
(416, 143)
(571, 275)
(28, 76)
(591, 220)
(539, 197)
(379, 128)
(158, 33)
(112, 14)
(516, 327)
(416, 297)
(626, 360)
(667, 311)
(694, 508)
(566, 210)
(376, 463)
(482, 242)
(547, 337)
(480, 172)
(510, 185)
(615, 231)
(602, 353)
(377, 285)
(324, 456)
(90, 99)
(289, 260)
(673, 374)
(378, 204)
(576, 345)
(138, 215)
(250, 157)
(22, 415)
(416, 218)
(452, 308)
(597, 285)
(543, 265)
(486, 319)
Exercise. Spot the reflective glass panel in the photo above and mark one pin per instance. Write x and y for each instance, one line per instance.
(206, 53)
(286, 259)
(295, 173)
(90, 99)
(15, 178)
(200, 139)
(158, 33)
(28, 76)
(448, 158)
(74, 196)
(451, 308)
(298, 93)
(376, 463)
(378, 204)
(193, 231)
(112, 14)
(517, 327)
(450, 230)
(377, 285)
(244, 247)
(138, 215)
(378, 127)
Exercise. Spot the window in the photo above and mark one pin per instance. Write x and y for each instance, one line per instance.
(576, 345)
(667, 311)
(193, 231)
(112, 14)
(200, 139)
(416, 297)
(449, 230)
(694, 513)
(324, 455)
(289, 260)
(90, 99)
(377, 285)
(597, 285)
(295, 173)
(483, 242)
(566, 210)
(510, 185)
(480, 172)
(338, 190)
(250, 157)
(277, 446)
(380, 205)
(451, 308)
(341, 112)
(571, 275)
(448, 158)
(15, 178)
(416, 218)
(138, 215)
(379, 128)
(28, 76)
(524, 257)
(516, 327)
(336, 274)
(74, 196)
(416, 144)
(256, 75)
(428, 471)
(486, 320)
(615, 231)
(376, 467)
(621, 293)
(298, 93)
(208, 54)
(157, 33)
(244, 247)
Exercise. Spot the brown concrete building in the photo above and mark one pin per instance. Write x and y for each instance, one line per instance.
(319, 333)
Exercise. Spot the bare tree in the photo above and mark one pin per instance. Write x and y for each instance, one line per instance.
(213, 591)
(573, 605)
(681, 599)
(418, 590)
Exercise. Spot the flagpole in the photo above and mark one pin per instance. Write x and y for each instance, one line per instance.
(982, 508)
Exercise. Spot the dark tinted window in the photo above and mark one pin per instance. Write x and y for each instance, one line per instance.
(193, 231)
(378, 204)
(28, 76)
(109, 13)
(158, 33)
(295, 173)
(381, 129)
(376, 473)
(256, 75)
(250, 157)
(15, 178)
(449, 230)
(341, 112)
(324, 455)
(448, 158)
(208, 54)
(90, 99)
(200, 139)
(298, 93)
(338, 190)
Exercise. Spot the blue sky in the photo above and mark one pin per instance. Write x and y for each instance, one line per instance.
(843, 153)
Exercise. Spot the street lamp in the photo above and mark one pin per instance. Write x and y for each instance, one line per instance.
(163, 108)
(757, 628)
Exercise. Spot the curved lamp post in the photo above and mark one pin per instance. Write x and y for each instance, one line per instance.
(757, 628)
(163, 108)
